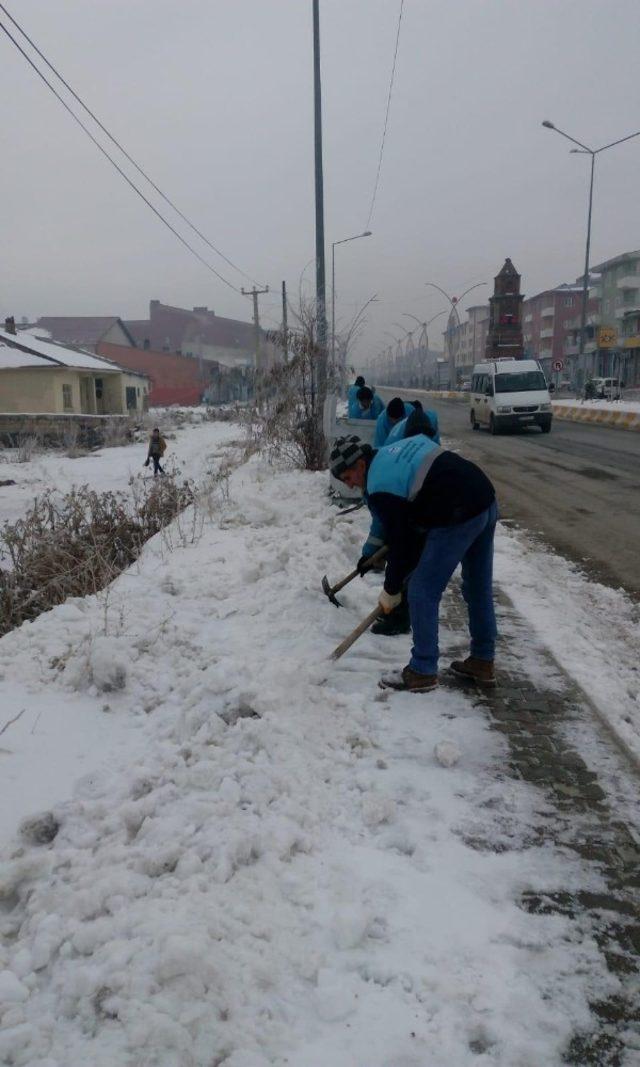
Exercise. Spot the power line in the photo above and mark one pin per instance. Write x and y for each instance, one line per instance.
(121, 147)
(386, 117)
(117, 167)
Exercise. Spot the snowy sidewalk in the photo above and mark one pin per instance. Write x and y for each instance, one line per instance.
(282, 872)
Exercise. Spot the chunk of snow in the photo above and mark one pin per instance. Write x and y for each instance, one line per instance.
(447, 753)
(108, 665)
(12, 991)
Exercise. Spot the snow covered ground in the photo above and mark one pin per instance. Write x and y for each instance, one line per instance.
(189, 447)
(264, 862)
(593, 631)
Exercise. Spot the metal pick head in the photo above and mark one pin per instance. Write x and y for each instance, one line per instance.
(328, 592)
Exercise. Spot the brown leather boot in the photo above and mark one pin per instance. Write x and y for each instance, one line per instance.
(409, 681)
(477, 670)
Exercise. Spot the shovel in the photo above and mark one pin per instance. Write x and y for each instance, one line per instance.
(358, 632)
(331, 590)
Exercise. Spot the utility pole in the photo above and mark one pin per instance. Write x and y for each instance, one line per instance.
(321, 311)
(285, 338)
(255, 293)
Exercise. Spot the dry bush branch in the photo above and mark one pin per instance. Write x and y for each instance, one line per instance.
(77, 544)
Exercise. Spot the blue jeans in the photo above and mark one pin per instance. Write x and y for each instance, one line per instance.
(469, 543)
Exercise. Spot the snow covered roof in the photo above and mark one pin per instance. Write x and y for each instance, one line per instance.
(14, 359)
(56, 354)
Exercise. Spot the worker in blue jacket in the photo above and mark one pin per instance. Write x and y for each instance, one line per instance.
(352, 397)
(416, 488)
(395, 412)
(418, 421)
(369, 405)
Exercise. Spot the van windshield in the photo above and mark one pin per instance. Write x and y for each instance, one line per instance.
(521, 382)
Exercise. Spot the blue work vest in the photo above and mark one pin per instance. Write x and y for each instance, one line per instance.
(384, 426)
(352, 400)
(401, 468)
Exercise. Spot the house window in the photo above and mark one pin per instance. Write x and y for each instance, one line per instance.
(99, 388)
(568, 301)
(131, 398)
(67, 398)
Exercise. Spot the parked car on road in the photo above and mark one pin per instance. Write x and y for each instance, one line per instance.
(607, 388)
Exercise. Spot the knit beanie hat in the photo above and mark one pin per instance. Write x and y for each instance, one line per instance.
(359, 381)
(395, 408)
(345, 452)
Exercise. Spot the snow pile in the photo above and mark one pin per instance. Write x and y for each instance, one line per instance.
(272, 867)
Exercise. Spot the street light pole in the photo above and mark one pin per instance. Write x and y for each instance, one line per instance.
(344, 241)
(453, 301)
(582, 149)
(425, 328)
(321, 312)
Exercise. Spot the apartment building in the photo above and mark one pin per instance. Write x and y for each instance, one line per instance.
(465, 342)
(617, 341)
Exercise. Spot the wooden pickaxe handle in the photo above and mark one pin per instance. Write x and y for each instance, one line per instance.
(358, 632)
(371, 562)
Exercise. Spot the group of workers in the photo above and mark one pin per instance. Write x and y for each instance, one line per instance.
(433, 510)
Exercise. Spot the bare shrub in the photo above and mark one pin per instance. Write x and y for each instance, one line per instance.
(117, 432)
(26, 448)
(75, 545)
(287, 417)
(71, 440)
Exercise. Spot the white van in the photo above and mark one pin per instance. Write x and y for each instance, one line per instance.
(507, 393)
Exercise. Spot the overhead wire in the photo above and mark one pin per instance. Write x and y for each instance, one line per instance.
(122, 149)
(113, 162)
(386, 117)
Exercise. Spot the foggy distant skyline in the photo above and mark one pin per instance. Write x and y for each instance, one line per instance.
(215, 102)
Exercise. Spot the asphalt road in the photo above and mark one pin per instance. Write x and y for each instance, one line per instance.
(577, 487)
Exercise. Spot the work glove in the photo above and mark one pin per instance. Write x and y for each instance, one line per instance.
(362, 566)
(388, 601)
(147, 463)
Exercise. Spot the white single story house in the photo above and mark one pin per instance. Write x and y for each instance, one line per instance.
(43, 377)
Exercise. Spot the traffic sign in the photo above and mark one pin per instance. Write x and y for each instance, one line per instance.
(558, 364)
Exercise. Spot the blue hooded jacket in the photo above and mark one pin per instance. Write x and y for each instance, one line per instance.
(384, 426)
(413, 486)
(397, 433)
(352, 401)
(371, 413)
(394, 467)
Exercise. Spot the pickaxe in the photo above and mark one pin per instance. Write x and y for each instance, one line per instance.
(358, 632)
(331, 590)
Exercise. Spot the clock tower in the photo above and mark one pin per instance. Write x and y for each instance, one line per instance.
(504, 337)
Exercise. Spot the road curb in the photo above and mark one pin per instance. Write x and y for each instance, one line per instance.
(621, 420)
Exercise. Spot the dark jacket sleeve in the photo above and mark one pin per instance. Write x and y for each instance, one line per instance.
(393, 512)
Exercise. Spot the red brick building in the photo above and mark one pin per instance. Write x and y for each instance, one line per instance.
(174, 379)
(551, 326)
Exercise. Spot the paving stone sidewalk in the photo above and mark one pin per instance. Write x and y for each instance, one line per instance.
(586, 812)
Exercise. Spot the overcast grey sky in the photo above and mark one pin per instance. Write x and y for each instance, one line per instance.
(214, 98)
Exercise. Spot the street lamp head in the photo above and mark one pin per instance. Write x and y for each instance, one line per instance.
(548, 125)
(367, 233)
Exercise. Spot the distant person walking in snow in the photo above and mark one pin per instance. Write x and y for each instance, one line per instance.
(157, 449)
